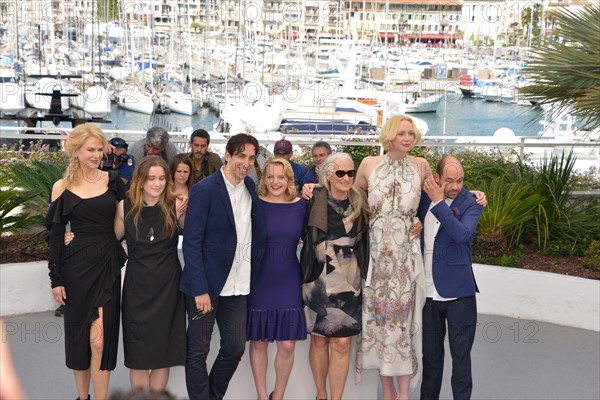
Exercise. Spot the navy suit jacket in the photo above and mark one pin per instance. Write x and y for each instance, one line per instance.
(210, 238)
(452, 266)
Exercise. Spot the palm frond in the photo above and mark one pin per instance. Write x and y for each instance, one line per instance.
(566, 72)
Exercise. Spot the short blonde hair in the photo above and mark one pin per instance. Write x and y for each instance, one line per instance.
(290, 190)
(391, 127)
(76, 139)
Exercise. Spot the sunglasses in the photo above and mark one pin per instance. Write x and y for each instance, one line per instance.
(340, 173)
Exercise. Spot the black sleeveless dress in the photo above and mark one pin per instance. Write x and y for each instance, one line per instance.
(89, 269)
(153, 308)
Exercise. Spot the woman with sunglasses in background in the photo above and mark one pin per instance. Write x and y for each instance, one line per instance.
(275, 301)
(154, 336)
(334, 258)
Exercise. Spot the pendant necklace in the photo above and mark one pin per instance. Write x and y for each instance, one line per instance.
(151, 234)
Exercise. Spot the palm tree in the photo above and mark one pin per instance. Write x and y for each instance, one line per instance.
(566, 72)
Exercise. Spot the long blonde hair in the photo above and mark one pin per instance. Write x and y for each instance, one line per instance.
(356, 196)
(166, 200)
(76, 139)
(391, 127)
(290, 190)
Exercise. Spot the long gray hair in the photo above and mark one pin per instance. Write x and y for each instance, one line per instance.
(356, 196)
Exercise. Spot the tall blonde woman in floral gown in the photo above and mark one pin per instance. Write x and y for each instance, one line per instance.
(394, 291)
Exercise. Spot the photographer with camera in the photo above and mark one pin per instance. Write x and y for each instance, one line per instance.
(118, 159)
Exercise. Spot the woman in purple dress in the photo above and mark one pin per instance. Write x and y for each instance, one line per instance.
(275, 310)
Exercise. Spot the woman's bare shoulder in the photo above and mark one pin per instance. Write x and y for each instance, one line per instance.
(421, 165)
(58, 188)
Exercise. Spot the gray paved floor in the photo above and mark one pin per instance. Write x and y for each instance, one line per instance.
(512, 359)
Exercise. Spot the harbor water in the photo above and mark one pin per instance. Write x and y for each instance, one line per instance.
(463, 116)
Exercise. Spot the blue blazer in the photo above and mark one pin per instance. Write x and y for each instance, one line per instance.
(452, 267)
(210, 238)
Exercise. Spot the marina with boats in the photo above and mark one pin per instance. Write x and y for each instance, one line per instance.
(275, 68)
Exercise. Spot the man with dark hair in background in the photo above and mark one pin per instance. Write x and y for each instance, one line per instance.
(205, 162)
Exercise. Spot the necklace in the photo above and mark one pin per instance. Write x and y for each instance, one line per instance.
(339, 206)
(151, 234)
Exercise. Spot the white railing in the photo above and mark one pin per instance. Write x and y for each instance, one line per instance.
(520, 142)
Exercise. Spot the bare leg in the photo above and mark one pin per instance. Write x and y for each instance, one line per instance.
(318, 356)
(284, 361)
(258, 362)
(403, 386)
(82, 381)
(387, 384)
(100, 379)
(139, 378)
(338, 366)
(159, 379)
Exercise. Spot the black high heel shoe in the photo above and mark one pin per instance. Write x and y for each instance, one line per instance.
(87, 398)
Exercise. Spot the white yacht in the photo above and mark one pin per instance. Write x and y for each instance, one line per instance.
(11, 92)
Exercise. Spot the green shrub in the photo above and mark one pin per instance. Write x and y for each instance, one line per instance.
(26, 178)
(510, 206)
(561, 219)
(510, 259)
(358, 152)
(35, 179)
(591, 257)
(12, 215)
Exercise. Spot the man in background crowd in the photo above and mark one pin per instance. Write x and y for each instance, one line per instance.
(205, 162)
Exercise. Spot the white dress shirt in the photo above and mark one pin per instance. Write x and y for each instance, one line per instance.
(430, 230)
(238, 280)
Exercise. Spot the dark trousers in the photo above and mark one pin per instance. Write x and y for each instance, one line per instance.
(461, 316)
(230, 314)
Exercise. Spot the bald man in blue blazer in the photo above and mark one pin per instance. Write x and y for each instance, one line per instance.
(450, 216)
(223, 244)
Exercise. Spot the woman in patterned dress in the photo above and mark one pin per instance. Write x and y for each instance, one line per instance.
(334, 259)
(394, 292)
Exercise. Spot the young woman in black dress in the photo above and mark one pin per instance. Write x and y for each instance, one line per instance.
(153, 307)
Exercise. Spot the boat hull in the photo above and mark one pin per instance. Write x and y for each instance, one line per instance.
(11, 98)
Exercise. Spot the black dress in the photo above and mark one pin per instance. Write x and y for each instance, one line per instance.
(153, 308)
(89, 269)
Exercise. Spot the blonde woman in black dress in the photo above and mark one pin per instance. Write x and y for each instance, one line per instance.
(85, 276)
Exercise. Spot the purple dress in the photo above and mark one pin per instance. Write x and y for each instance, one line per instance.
(275, 310)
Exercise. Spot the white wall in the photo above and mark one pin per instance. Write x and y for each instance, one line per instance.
(25, 288)
(512, 292)
(539, 296)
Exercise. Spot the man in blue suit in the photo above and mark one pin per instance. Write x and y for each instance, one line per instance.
(223, 244)
(450, 216)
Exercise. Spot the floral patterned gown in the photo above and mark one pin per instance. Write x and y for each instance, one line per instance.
(394, 293)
